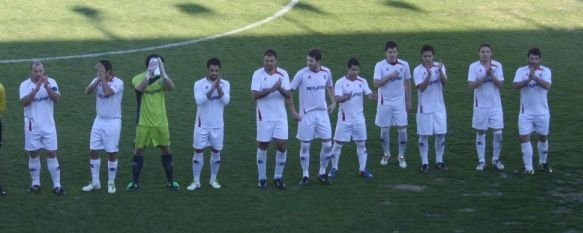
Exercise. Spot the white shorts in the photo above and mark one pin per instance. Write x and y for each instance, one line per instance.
(208, 137)
(529, 123)
(105, 135)
(347, 130)
(391, 115)
(488, 118)
(432, 123)
(36, 140)
(314, 124)
(269, 130)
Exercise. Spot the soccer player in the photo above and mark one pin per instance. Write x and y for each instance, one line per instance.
(38, 94)
(152, 129)
(534, 82)
(2, 108)
(430, 78)
(270, 86)
(350, 91)
(106, 129)
(485, 77)
(211, 94)
(392, 77)
(312, 82)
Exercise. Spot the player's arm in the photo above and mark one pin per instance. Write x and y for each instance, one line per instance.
(265, 92)
(497, 82)
(407, 87)
(53, 94)
(225, 92)
(199, 95)
(168, 83)
(442, 75)
(384, 80)
(422, 85)
(541, 82)
(92, 86)
(473, 81)
(292, 107)
(332, 105)
(517, 85)
(141, 87)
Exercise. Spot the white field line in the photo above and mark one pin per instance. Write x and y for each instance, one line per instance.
(278, 14)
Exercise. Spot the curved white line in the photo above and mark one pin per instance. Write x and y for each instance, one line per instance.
(278, 14)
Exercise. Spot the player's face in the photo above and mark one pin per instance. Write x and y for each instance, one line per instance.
(37, 71)
(427, 58)
(214, 72)
(269, 62)
(534, 60)
(391, 54)
(485, 54)
(312, 63)
(353, 71)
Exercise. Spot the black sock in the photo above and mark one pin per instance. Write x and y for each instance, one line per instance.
(168, 165)
(137, 163)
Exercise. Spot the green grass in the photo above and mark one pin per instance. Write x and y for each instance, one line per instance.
(460, 200)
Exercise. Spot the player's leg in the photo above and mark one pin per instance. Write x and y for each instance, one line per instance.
(161, 139)
(542, 129)
(32, 146)
(440, 129)
(424, 129)
(497, 125)
(342, 134)
(111, 171)
(142, 141)
(324, 132)
(306, 132)
(216, 139)
(111, 142)
(264, 136)
(525, 128)
(362, 158)
(480, 124)
(49, 142)
(96, 143)
(200, 140)
(383, 120)
(280, 135)
(401, 121)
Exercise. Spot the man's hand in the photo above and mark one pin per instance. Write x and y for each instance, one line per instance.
(331, 108)
(296, 116)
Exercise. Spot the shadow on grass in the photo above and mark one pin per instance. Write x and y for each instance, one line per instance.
(193, 8)
(404, 5)
(307, 7)
(95, 18)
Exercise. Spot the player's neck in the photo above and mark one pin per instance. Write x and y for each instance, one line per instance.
(317, 69)
(392, 62)
(270, 71)
(351, 78)
(486, 62)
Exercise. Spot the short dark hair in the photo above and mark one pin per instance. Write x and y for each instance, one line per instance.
(426, 48)
(152, 56)
(391, 44)
(35, 62)
(270, 52)
(534, 51)
(316, 54)
(352, 62)
(485, 45)
(106, 64)
(213, 61)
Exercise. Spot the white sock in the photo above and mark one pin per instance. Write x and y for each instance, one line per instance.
(386, 139)
(280, 160)
(496, 145)
(402, 141)
(262, 163)
(439, 147)
(424, 149)
(527, 155)
(481, 147)
(215, 164)
(336, 151)
(197, 164)
(95, 165)
(305, 158)
(112, 170)
(55, 171)
(543, 150)
(362, 155)
(325, 156)
(34, 168)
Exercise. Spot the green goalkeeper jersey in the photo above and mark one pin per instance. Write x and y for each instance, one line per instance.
(151, 106)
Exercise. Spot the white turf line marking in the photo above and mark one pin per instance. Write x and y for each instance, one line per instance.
(278, 14)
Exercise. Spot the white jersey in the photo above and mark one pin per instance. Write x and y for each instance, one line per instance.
(351, 109)
(533, 98)
(312, 88)
(38, 115)
(431, 99)
(486, 95)
(272, 106)
(209, 112)
(109, 107)
(393, 92)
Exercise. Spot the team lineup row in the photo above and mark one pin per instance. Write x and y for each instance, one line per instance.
(272, 89)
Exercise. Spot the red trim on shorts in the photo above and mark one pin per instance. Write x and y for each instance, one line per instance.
(476, 102)
(343, 116)
(382, 100)
(29, 125)
(199, 123)
(421, 108)
(259, 114)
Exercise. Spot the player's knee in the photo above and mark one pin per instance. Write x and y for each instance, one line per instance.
(542, 138)
(305, 147)
(52, 154)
